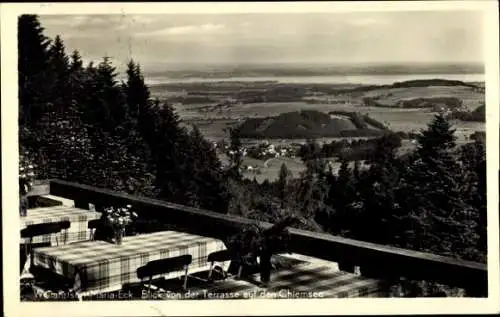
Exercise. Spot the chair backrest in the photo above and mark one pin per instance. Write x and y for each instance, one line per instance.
(164, 266)
(44, 228)
(219, 256)
(93, 224)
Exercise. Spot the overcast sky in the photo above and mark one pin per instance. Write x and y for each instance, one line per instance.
(333, 38)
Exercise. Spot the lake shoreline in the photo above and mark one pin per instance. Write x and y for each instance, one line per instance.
(379, 79)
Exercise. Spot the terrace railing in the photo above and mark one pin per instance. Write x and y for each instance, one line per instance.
(374, 260)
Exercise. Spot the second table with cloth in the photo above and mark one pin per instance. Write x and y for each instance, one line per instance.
(78, 218)
(99, 267)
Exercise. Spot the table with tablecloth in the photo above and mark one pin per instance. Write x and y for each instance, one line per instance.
(320, 280)
(78, 218)
(98, 266)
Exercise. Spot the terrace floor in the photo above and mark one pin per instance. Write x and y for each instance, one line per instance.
(303, 280)
(292, 278)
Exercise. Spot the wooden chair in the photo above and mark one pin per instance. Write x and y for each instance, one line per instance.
(92, 226)
(221, 256)
(41, 229)
(164, 266)
(30, 232)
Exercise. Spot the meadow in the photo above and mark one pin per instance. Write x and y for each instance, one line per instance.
(212, 125)
(471, 98)
(269, 169)
(214, 118)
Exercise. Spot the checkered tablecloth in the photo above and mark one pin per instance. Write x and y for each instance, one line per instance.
(318, 280)
(98, 266)
(78, 218)
(300, 281)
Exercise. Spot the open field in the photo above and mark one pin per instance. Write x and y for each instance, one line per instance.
(268, 169)
(407, 120)
(214, 106)
(471, 98)
(271, 168)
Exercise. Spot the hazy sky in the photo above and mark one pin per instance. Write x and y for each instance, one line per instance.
(336, 38)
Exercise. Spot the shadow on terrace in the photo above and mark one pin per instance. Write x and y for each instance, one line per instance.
(317, 266)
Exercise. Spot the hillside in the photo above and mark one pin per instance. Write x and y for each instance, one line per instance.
(452, 97)
(415, 103)
(311, 124)
(418, 83)
(478, 115)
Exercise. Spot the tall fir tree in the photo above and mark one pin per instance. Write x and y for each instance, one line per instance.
(312, 190)
(310, 153)
(113, 163)
(206, 173)
(473, 158)
(138, 94)
(283, 185)
(59, 77)
(342, 198)
(169, 144)
(437, 211)
(76, 63)
(235, 154)
(76, 82)
(33, 64)
(377, 188)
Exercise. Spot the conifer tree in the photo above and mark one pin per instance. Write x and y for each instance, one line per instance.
(473, 158)
(235, 154)
(114, 162)
(435, 185)
(59, 72)
(341, 196)
(311, 193)
(207, 173)
(33, 63)
(376, 189)
(76, 63)
(310, 153)
(55, 129)
(76, 83)
(283, 185)
(385, 149)
(111, 97)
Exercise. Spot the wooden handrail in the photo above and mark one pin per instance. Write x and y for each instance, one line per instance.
(375, 260)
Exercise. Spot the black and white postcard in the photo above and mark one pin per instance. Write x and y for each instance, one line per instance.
(250, 158)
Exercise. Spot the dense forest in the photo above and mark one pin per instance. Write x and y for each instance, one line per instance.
(79, 123)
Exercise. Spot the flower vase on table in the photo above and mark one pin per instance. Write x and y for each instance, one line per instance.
(119, 236)
(118, 219)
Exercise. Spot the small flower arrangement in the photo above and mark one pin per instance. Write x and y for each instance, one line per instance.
(118, 219)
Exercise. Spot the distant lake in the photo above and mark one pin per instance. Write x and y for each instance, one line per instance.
(323, 79)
